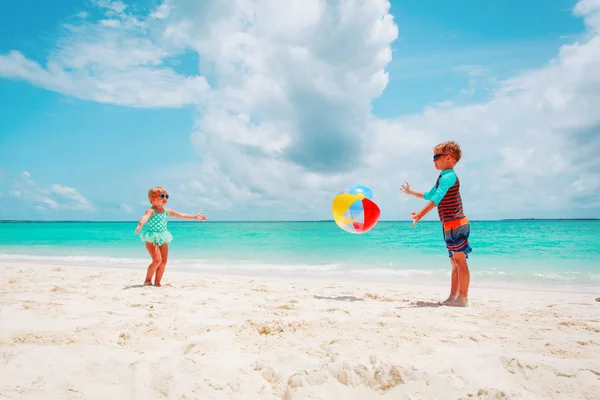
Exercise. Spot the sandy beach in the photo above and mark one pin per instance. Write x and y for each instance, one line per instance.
(70, 332)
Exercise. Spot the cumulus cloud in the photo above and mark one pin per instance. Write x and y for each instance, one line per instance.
(127, 208)
(72, 199)
(534, 141)
(55, 197)
(284, 107)
(291, 113)
(113, 60)
(527, 147)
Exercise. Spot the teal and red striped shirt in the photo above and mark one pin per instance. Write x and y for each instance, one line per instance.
(445, 194)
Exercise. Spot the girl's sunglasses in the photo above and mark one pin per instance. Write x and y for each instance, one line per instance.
(164, 196)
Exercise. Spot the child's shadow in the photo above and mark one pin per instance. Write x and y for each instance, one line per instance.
(422, 304)
(133, 287)
(138, 286)
(339, 298)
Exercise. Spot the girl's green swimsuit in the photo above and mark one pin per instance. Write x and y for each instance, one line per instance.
(156, 229)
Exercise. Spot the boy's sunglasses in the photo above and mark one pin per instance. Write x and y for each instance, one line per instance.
(162, 196)
(438, 156)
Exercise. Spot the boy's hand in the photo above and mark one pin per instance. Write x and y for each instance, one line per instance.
(405, 188)
(416, 217)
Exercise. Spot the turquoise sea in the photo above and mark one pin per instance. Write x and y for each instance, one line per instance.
(563, 252)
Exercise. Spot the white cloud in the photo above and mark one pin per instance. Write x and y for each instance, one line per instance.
(292, 110)
(126, 208)
(112, 61)
(116, 7)
(161, 12)
(72, 199)
(288, 122)
(56, 197)
(48, 202)
(537, 135)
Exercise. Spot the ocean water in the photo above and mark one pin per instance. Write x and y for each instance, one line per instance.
(563, 252)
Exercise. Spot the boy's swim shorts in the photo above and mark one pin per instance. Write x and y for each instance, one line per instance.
(456, 235)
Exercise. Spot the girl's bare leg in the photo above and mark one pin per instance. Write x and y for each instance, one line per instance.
(164, 253)
(154, 252)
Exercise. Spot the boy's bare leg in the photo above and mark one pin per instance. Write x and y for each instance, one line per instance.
(464, 279)
(164, 253)
(453, 284)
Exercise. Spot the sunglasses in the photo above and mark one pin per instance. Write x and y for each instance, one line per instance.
(438, 156)
(163, 196)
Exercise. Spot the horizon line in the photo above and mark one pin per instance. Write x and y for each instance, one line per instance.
(299, 221)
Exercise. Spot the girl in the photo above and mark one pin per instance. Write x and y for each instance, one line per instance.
(156, 236)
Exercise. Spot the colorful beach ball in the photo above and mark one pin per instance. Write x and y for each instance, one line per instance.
(354, 211)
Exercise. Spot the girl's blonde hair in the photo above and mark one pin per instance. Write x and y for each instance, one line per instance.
(156, 190)
(450, 147)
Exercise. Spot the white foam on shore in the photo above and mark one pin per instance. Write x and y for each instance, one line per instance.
(493, 277)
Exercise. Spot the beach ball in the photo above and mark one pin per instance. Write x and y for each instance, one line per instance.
(354, 211)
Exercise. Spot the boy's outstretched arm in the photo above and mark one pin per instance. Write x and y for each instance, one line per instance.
(416, 216)
(177, 214)
(143, 220)
(434, 196)
(405, 188)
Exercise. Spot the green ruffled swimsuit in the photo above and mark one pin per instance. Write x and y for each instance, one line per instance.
(156, 229)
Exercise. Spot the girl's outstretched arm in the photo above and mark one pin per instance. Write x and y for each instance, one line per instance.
(143, 220)
(176, 214)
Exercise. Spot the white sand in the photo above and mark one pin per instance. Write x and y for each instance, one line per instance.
(86, 333)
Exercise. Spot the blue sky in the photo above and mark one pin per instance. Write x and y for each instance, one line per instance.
(270, 118)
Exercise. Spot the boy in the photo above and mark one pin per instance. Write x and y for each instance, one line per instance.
(445, 195)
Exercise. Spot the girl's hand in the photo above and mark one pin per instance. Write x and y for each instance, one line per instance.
(200, 216)
(405, 188)
(144, 219)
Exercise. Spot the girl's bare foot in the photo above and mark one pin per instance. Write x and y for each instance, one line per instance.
(147, 283)
(449, 300)
(157, 284)
(460, 301)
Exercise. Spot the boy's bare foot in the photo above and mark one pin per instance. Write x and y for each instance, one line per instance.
(449, 300)
(460, 301)
(147, 283)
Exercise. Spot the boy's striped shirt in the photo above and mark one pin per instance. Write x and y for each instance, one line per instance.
(445, 194)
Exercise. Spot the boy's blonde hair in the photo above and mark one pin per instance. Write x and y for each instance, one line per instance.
(156, 190)
(450, 147)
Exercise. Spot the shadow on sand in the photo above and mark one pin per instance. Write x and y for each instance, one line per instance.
(421, 304)
(138, 286)
(339, 298)
(133, 287)
(414, 304)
